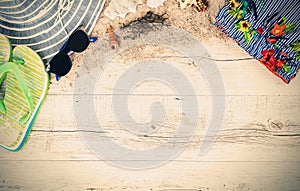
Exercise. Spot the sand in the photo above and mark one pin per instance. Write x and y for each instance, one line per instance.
(199, 24)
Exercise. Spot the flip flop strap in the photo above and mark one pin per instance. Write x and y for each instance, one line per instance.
(13, 68)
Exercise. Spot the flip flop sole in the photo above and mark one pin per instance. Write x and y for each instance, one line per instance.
(13, 133)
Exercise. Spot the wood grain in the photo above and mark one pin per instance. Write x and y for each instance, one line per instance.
(257, 147)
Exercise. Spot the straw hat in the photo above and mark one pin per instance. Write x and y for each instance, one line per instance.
(44, 25)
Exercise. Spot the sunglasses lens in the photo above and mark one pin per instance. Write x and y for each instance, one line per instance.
(78, 41)
(60, 64)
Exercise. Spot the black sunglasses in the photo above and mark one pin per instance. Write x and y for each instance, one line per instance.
(61, 63)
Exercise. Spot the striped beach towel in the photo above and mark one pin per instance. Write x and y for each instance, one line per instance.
(268, 30)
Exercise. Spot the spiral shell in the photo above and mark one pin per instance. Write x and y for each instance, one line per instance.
(114, 44)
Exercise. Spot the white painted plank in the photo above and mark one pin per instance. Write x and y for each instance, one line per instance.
(174, 176)
(241, 74)
(255, 128)
(57, 112)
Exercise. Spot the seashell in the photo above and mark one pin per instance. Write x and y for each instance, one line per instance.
(200, 5)
(155, 3)
(120, 8)
(114, 44)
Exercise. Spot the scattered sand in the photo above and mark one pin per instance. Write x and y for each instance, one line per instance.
(200, 24)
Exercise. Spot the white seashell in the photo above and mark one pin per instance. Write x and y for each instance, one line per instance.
(120, 8)
(155, 3)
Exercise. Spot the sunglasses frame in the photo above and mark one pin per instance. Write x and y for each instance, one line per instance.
(61, 69)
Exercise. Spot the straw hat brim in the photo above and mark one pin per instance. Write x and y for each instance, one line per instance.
(44, 25)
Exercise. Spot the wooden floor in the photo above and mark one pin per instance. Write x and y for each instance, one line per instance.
(258, 146)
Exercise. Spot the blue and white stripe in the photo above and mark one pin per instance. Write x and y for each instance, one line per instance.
(285, 8)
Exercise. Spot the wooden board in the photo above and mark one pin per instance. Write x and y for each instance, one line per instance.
(257, 147)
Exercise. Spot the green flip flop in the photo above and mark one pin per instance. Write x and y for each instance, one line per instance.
(26, 87)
